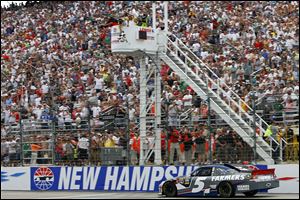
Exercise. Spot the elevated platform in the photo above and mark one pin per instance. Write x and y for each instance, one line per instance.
(136, 40)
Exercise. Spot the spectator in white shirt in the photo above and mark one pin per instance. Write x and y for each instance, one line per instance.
(83, 146)
(61, 120)
(197, 48)
(289, 43)
(38, 111)
(132, 114)
(99, 83)
(96, 111)
(187, 100)
(38, 101)
(289, 95)
(45, 88)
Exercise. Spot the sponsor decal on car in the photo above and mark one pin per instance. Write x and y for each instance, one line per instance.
(228, 177)
(243, 187)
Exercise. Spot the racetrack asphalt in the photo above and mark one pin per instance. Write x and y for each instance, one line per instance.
(117, 195)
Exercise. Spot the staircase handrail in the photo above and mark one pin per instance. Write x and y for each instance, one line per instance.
(192, 80)
(208, 68)
(232, 92)
(238, 106)
(206, 76)
(221, 89)
(188, 111)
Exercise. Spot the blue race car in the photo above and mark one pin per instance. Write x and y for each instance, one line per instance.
(220, 180)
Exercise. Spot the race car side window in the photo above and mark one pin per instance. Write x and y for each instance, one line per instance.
(203, 171)
(219, 171)
(195, 172)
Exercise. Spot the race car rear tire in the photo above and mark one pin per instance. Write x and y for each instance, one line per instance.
(169, 189)
(250, 193)
(226, 190)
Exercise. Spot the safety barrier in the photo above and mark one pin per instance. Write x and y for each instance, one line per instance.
(43, 141)
(117, 178)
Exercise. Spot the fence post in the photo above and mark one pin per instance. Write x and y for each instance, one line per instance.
(176, 43)
(240, 107)
(53, 139)
(209, 129)
(260, 131)
(90, 134)
(167, 134)
(21, 140)
(280, 150)
(271, 144)
(127, 131)
(254, 127)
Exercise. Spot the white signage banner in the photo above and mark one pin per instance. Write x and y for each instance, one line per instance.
(15, 178)
(288, 176)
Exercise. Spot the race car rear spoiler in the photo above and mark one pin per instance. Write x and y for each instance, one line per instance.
(263, 172)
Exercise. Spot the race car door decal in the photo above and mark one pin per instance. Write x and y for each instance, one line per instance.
(198, 185)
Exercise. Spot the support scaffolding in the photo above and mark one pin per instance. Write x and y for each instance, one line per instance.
(146, 44)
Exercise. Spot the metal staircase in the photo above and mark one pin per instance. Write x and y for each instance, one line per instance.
(205, 82)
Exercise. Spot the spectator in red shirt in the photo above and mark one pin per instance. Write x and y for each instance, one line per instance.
(174, 145)
(163, 137)
(6, 57)
(258, 44)
(187, 141)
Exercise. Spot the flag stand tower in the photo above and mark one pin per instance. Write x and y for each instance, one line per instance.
(143, 43)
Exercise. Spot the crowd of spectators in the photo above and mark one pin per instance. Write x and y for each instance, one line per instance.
(239, 38)
(56, 61)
